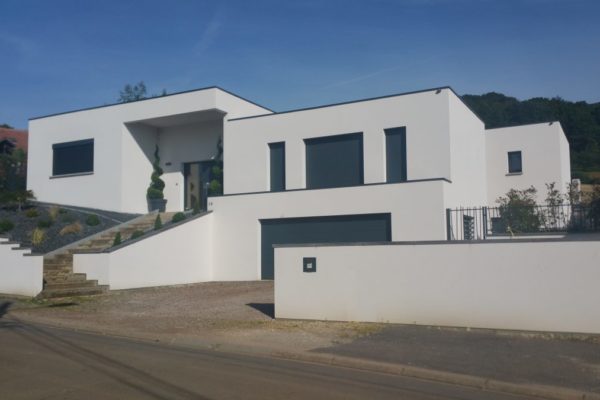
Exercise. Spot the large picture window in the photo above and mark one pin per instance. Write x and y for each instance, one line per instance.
(73, 157)
(334, 161)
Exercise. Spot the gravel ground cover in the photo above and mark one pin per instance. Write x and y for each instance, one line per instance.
(55, 226)
(213, 314)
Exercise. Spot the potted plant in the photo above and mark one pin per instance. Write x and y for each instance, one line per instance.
(155, 196)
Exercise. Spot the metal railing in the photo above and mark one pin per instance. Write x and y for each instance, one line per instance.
(479, 223)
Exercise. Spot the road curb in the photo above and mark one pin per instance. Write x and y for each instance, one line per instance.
(534, 390)
(543, 391)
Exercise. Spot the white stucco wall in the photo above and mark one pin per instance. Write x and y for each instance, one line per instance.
(20, 273)
(539, 286)
(121, 163)
(417, 213)
(424, 114)
(467, 157)
(545, 158)
(182, 254)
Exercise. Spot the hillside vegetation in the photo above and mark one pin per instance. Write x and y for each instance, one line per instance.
(580, 121)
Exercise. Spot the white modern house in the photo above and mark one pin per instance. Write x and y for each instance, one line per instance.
(375, 170)
(345, 206)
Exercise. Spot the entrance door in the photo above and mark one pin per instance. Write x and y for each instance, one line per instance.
(196, 181)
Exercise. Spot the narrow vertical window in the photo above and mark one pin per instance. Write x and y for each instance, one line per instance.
(277, 162)
(515, 164)
(395, 154)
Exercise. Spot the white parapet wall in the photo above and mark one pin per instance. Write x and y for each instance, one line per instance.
(541, 285)
(20, 273)
(178, 255)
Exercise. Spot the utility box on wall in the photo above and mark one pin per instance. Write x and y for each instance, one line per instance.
(309, 264)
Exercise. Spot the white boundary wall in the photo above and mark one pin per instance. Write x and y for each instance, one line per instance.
(537, 285)
(20, 274)
(182, 254)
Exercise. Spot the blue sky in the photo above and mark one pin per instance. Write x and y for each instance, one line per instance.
(60, 55)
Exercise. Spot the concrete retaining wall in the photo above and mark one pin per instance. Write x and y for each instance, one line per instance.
(179, 255)
(19, 274)
(537, 285)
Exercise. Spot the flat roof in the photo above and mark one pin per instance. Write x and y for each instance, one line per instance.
(152, 98)
(362, 100)
(271, 112)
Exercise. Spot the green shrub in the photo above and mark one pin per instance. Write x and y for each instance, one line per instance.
(68, 218)
(117, 240)
(92, 220)
(157, 185)
(70, 229)
(44, 223)
(53, 212)
(38, 236)
(136, 234)
(196, 208)
(6, 225)
(178, 217)
(32, 213)
(62, 211)
(157, 223)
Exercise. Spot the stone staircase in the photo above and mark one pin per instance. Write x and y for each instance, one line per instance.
(59, 278)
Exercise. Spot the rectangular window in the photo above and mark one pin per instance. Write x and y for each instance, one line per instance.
(334, 161)
(73, 157)
(395, 154)
(277, 155)
(515, 164)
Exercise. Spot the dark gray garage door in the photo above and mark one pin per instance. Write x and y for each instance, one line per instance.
(338, 229)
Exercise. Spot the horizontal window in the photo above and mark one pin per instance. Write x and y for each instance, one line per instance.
(515, 163)
(334, 161)
(73, 157)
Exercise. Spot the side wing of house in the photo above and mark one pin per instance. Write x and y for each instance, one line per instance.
(527, 155)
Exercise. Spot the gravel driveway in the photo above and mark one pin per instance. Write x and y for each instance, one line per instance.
(214, 314)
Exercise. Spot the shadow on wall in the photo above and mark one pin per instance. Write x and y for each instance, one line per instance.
(266, 308)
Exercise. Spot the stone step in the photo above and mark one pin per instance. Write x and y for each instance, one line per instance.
(70, 284)
(73, 292)
(55, 265)
(72, 277)
(57, 269)
(65, 277)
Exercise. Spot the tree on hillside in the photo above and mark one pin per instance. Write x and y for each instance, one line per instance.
(7, 126)
(580, 121)
(132, 93)
(136, 92)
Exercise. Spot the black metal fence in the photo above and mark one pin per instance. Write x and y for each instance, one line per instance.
(483, 222)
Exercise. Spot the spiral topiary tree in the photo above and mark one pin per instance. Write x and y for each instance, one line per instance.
(155, 193)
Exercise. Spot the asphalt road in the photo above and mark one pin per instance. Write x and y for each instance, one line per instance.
(38, 362)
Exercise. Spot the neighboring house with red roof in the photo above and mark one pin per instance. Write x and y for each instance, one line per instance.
(12, 139)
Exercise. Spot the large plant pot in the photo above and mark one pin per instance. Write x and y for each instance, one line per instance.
(157, 204)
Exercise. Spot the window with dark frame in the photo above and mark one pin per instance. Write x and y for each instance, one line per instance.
(334, 161)
(395, 154)
(73, 157)
(277, 166)
(515, 164)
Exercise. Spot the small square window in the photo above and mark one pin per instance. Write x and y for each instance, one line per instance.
(515, 164)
